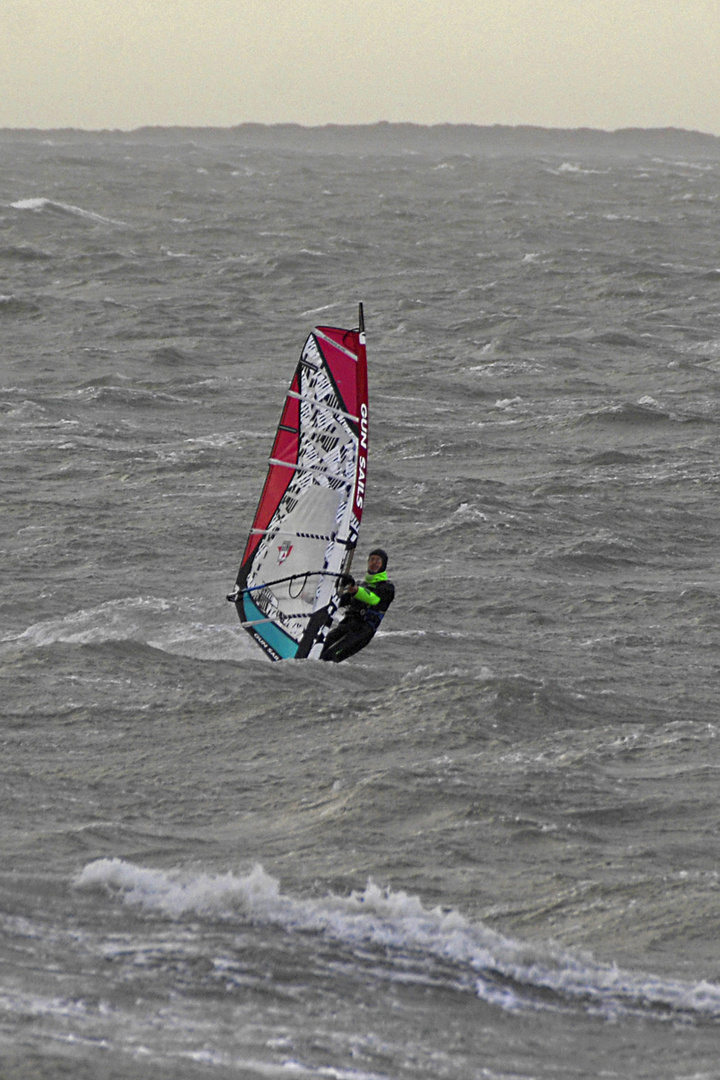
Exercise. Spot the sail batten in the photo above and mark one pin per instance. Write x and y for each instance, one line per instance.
(323, 337)
(312, 469)
(290, 532)
(323, 405)
(307, 521)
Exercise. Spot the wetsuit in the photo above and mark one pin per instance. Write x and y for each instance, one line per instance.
(364, 615)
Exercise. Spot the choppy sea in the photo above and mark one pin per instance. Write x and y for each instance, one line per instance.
(486, 848)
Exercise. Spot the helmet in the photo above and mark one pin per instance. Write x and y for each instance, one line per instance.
(383, 555)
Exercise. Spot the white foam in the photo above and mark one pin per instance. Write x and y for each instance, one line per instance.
(39, 206)
(318, 310)
(172, 626)
(504, 972)
(425, 673)
(574, 167)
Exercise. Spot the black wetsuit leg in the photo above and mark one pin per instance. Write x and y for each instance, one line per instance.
(345, 640)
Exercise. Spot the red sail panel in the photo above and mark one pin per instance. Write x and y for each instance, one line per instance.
(285, 448)
(336, 344)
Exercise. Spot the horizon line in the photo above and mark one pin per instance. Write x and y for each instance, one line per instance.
(367, 125)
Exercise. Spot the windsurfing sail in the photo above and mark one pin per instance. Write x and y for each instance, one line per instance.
(306, 526)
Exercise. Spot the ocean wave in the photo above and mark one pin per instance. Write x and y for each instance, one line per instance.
(16, 305)
(169, 626)
(40, 206)
(512, 975)
(603, 549)
(108, 393)
(574, 168)
(23, 253)
(628, 412)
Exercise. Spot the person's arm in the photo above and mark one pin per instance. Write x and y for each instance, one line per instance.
(366, 596)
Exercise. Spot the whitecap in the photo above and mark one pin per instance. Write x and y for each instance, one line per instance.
(171, 626)
(39, 206)
(513, 975)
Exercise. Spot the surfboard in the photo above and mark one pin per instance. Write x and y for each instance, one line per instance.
(306, 526)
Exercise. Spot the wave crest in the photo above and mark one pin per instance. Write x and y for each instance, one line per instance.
(514, 975)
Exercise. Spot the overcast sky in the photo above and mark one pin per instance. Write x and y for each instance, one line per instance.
(556, 63)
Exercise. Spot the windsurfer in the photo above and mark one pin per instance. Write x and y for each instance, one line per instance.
(366, 604)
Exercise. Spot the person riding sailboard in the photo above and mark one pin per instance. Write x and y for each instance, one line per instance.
(310, 509)
(366, 604)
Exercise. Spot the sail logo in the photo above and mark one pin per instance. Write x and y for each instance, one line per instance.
(362, 457)
(363, 427)
(284, 550)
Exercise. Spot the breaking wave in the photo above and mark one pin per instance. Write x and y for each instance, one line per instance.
(51, 206)
(510, 974)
